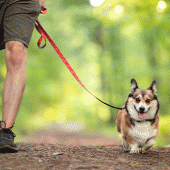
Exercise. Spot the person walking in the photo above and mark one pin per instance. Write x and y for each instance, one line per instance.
(17, 21)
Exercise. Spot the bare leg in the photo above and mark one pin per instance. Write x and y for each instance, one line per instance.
(16, 57)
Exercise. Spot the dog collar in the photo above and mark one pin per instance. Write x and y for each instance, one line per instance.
(139, 121)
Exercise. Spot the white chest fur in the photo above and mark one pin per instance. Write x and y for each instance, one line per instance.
(142, 131)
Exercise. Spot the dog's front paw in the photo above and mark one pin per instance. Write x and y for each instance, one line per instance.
(125, 144)
(135, 149)
(148, 145)
(143, 150)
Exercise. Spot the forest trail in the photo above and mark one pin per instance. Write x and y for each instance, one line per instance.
(52, 149)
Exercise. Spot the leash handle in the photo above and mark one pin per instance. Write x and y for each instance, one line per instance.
(43, 11)
(44, 35)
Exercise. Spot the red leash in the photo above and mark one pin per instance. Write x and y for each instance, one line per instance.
(44, 35)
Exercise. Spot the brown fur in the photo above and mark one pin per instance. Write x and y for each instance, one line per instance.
(138, 123)
(123, 123)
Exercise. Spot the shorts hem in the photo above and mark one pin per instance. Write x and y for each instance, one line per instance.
(17, 39)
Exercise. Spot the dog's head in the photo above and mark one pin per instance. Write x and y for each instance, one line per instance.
(142, 104)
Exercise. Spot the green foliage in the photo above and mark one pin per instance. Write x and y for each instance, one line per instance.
(106, 46)
(164, 135)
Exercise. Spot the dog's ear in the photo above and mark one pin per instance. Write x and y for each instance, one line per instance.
(134, 85)
(153, 87)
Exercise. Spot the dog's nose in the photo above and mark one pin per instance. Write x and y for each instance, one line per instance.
(142, 109)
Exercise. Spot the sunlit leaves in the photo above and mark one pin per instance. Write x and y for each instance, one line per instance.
(164, 136)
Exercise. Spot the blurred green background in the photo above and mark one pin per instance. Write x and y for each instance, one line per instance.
(107, 43)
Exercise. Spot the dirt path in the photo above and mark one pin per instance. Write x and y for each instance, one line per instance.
(56, 135)
(50, 149)
(62, 157)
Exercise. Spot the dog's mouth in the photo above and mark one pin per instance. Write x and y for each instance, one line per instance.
(141, 115)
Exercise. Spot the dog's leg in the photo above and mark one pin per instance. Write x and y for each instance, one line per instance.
(125, 144)
(148, 145)
(129, 142)
(134, 148)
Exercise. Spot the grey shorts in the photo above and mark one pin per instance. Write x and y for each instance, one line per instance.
(17, 20)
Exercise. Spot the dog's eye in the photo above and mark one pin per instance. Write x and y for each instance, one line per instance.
(148, 101)
(137, 100)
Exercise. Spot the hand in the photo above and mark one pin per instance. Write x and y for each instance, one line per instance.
(42, 3)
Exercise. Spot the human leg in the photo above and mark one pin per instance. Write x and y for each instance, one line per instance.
(16, 57)
(17, 24)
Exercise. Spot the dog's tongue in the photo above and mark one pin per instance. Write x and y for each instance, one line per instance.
(141, 115)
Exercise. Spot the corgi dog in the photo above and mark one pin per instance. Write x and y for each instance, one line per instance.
(138, 123)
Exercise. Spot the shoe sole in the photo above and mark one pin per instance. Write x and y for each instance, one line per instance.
(8, 149)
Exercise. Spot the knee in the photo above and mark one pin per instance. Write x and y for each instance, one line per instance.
(15, 54)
